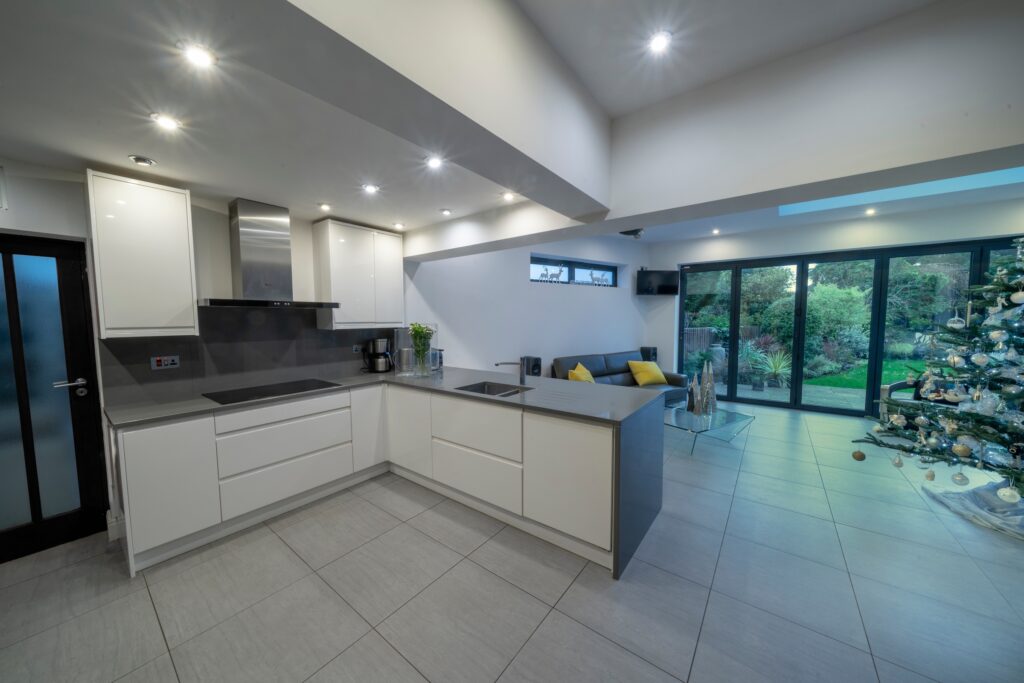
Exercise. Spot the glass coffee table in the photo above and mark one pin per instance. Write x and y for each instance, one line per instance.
(720, 424)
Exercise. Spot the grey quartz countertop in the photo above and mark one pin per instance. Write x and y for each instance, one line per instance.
(594, 402)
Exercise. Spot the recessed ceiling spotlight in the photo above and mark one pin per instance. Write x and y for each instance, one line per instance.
(659, 42)
(140, 160)
(508, 196)
(399, 226)
(197, 55)
(446, 212)
(715, 231)
(324, 206)
(166, 122)
(869, 212)
(371, 189)
(435, 162)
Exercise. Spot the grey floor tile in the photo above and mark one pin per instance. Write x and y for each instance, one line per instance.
(983, 543)
(792, 532)
(541, 569)
(35, 605)
(375, 483)
(899, 521)
(950, 577)
(797, 471)
(739, 642)
(466, 626)
(309, 510)
(890, 673)
(287, 637)
(877, 463)
(564, 650)
(51, 559)
(193, 558)
(715, 452)
(937, 639)
(1008, 581)
(99, 646)
(688, 470)
(402, 498)
(192, 601)
(461, 528)
(808, 500)
(371, 660)
(865, 485)
(160, 670)
(696, 505)
(782, 433)
(650, 612)
(808, 593)
(331, 533)
(681, 548)
(780, 449)
(381, 576)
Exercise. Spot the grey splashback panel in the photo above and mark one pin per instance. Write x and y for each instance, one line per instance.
(236, 347)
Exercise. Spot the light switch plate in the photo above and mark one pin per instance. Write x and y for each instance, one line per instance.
(164, 362)
(356, 348)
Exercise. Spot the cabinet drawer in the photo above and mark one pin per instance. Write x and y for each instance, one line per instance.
(253, 490)
(254, 448)
(481, 426)
(494, 480)
(278, 412)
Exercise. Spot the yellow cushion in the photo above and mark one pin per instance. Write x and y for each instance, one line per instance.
(646, 372)
(581, 374)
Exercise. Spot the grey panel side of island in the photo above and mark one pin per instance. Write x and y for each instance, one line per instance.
(639, 468)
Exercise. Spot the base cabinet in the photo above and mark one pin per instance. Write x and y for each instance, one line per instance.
(368, 426)
(408, 427)
(567, 476)
(170, 480)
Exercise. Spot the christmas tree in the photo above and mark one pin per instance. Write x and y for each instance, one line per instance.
(967, 412)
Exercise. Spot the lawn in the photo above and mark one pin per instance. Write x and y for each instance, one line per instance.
(857, 376)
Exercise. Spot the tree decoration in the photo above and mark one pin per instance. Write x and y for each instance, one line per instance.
(971, 391)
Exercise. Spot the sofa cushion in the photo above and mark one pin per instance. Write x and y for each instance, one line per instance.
(580, 373)
(595, 363)
(623, 379)
(646, 372)
(619, 362)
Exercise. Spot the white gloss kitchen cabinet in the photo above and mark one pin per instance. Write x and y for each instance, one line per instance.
(141, 244)
(360, 269)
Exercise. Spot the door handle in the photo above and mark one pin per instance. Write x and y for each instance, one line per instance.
(63, 384)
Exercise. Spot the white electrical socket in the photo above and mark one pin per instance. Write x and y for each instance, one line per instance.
(356, 348)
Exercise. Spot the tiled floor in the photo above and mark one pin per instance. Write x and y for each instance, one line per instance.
(776, 558)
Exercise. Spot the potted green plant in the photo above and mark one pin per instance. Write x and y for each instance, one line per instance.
(777, 366)
(421, 335)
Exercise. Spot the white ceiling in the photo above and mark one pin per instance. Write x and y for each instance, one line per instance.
(79, 94)
(769, 218)
(604, 41)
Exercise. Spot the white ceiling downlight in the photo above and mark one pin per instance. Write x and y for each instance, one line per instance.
(446, 212)
(508, 196)
(399, 226)
(435, 163)
(324, 206)
(140, 160)
(197, 55)
(370, 188)
(164, 121)
(659, 42)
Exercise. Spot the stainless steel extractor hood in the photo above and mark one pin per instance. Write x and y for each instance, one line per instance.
(261, 258)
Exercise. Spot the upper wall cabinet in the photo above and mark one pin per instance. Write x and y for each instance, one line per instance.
(361, 269)
(144, 262)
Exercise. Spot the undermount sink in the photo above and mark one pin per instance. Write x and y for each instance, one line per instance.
(494, 388)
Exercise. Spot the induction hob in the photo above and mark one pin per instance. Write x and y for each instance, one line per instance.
(268, 391)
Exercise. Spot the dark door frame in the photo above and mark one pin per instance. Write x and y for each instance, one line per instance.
(76, 315)
(980, 252)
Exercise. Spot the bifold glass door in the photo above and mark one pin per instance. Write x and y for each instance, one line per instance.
(51, 463)
(825, 332)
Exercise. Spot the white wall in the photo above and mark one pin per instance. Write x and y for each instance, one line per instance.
(488, 310)
(939, 82)
(980, 221)
(46, 202)
(487, 60)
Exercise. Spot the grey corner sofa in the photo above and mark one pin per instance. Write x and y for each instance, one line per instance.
(613, 368)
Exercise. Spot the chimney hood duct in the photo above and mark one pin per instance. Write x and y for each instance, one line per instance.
(261, 258)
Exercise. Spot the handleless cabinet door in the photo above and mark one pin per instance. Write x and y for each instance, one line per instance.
(142, 249)
(388, 278)
(408, 429)
(368, 426)
(170, 472)
(351, 267)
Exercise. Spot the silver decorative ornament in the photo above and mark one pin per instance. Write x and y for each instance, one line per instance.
(956, 361)
(960, 479)
(1017, 297)
(998, 335)
(1012, 355)
(899, 420)
(1008, 494)
(921, 421)
(932, 442)
(980, 359)
(930, 475)
(897, 461)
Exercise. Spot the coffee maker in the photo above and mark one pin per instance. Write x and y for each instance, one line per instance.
(377, 355)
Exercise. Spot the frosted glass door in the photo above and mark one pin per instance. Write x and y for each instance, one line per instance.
(51, 457)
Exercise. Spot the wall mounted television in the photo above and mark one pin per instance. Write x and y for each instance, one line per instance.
(655, 282)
